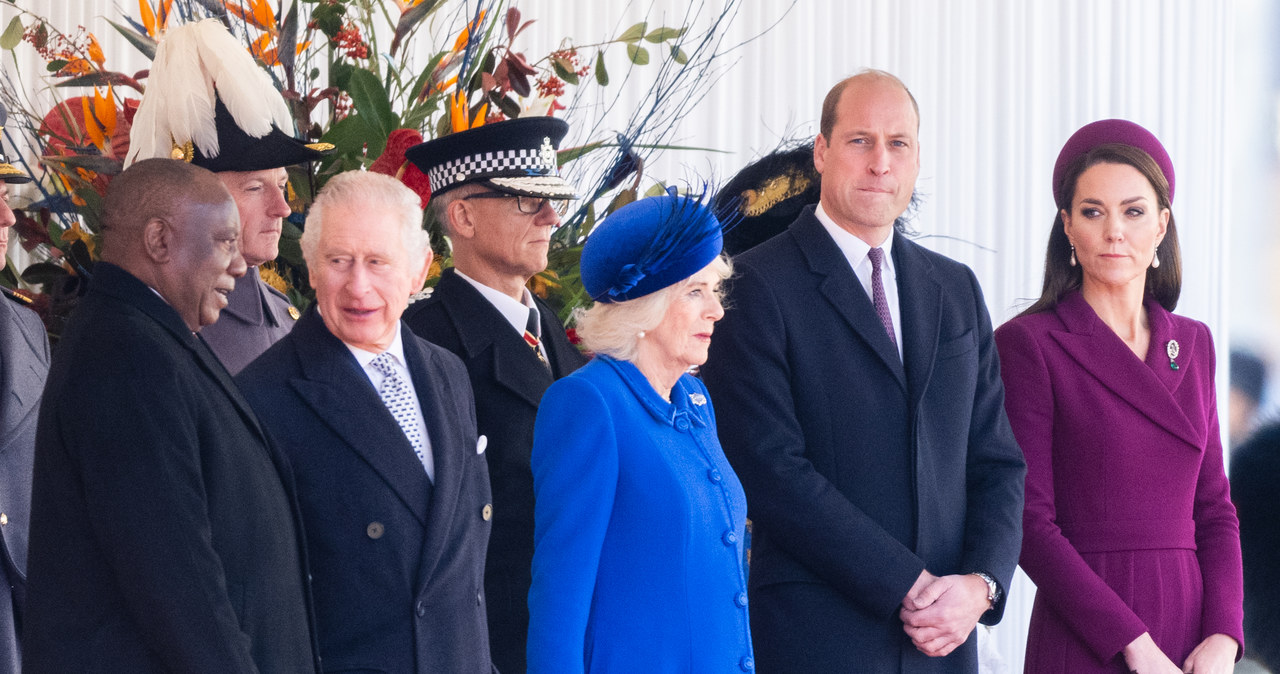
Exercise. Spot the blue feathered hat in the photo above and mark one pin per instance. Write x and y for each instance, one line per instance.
(648, 245)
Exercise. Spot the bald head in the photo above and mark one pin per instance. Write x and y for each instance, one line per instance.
(175, 227)
(831, 104)
(152, 189)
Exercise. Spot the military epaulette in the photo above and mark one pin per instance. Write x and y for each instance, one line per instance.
(16, 297)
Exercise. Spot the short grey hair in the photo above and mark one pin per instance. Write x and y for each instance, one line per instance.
(357, 189)
(440, 204)
(613, 329)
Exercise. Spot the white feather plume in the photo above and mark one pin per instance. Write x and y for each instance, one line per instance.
(195, 64)
(244, 87)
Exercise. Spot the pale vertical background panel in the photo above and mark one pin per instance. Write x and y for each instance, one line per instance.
(1001, 84)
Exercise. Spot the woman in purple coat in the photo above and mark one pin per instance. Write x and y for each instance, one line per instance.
(1128, 532)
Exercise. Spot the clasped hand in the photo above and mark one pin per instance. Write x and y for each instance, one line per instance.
(939, 613)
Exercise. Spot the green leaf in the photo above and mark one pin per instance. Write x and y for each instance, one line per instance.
(564, 70)
(142, 43)
(663, 34)
(12, 35)
(657, 189)
(679, 55)
(638, 55)
(571, 153)
(96, 79)
(349, 135)
(371, 101)
(633, 34)
(602, 76)
(56, 65)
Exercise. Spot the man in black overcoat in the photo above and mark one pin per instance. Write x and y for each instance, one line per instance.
(380, 428)
(164, 530)
(857, 388)
(499, 216)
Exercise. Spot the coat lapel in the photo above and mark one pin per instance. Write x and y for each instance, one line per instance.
(842, 289)
(920, 306)
(564, 356)
(333, 385)
(1147, 385)
(484, 333)
(440, 410)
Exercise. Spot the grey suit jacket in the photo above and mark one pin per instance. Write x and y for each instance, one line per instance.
(256, 317)
(24, 363)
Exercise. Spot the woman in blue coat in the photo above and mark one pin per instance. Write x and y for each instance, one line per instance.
(638, 538)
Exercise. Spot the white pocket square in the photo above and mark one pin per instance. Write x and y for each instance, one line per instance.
(481, 444)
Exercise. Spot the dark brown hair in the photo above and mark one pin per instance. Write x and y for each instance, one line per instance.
(1164, 283)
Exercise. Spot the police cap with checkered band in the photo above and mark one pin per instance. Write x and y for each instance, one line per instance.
(516, 157)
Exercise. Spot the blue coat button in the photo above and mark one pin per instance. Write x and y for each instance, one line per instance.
(714, 475)
(740, 599)
(729, 538)
(747, 664)
(682, 424)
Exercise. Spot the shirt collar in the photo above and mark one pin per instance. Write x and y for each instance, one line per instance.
(855, 250)
(396, 349)
(515, 311)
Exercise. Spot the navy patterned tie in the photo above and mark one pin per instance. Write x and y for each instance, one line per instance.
(395, 395)
(877, 294)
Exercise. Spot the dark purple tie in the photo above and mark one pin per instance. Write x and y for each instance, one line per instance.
(877, 294)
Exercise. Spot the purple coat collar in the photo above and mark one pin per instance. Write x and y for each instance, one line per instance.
(1151, 386)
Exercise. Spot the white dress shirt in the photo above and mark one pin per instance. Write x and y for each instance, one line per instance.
(855, 251)
(375, 377)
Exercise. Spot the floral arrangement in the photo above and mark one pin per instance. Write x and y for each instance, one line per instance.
(369, 77)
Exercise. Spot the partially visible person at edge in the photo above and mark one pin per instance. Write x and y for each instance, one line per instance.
(1255, 474)
(380, 427)
(165, 535)
(496, 190)
(860, 402)
(1129, 531)
(244, 140)
(638, 550)
(24, 364)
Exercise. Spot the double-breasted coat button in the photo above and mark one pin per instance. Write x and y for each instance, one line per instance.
(682, 424)
(740, 599)
(486, 512)
(730, 538)
(747, 664)
(420, 609)
(375, 530)
(714, 475)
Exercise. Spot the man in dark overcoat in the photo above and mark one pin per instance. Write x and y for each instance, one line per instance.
(24, 363)
(380, 428)
(164, 530)
(499, 215)
(858, 394)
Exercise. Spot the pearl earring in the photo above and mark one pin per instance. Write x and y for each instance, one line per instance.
(1073, 255)
(640, 334)
(1155, 259)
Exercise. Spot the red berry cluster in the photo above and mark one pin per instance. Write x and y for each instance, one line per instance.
(348, 40)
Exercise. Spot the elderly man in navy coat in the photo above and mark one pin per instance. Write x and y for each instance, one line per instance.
(860, 402)
(381, 429)
(24, 363)
(164, 532)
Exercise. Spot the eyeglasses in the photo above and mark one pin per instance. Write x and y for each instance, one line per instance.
(526, 205)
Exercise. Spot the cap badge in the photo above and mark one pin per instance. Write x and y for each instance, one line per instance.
(548, 154)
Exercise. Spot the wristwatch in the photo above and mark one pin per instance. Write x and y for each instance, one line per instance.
(993, 588)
